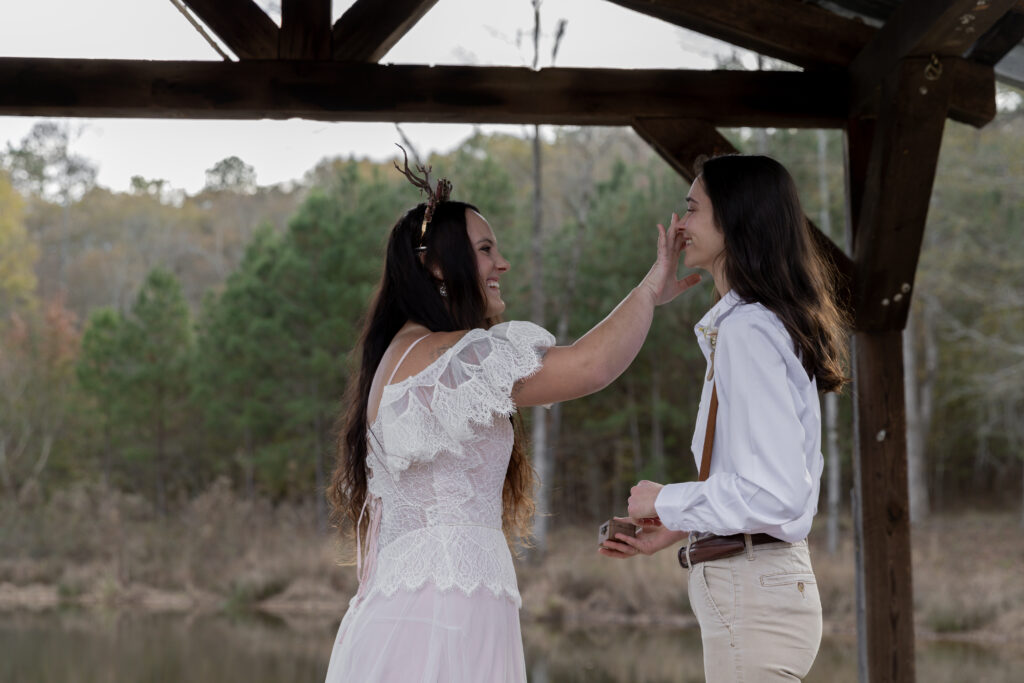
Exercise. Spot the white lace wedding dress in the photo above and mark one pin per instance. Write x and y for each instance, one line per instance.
(438, 599)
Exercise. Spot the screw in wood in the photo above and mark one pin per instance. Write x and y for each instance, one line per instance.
(880, 436)
(897, 296)
(905, 287)
(885, 301)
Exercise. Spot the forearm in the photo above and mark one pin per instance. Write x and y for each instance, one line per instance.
(609, 347)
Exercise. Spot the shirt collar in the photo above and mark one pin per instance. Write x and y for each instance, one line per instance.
(710, 320)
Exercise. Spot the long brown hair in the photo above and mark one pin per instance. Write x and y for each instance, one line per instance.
(408, 291)
(771, 258)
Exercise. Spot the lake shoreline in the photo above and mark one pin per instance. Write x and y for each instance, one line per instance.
(148, 600)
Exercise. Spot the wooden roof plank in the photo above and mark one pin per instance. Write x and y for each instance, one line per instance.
(920, 28)
(369, 28)
(895, 195)
(241, 24)
(336, 91)
(680, 142)
(305, 29)
(801, 34)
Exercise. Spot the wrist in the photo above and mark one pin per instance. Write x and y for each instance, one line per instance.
(648, 292)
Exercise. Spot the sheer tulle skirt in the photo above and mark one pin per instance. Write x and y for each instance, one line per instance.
(428, 636)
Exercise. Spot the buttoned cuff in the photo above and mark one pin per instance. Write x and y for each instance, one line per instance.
(671, 505)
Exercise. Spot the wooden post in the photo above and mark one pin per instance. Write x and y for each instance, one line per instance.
(886, 634)
(888, 190)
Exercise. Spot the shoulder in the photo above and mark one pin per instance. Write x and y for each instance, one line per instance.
(514, 338)
(439, 343)
(753, 326)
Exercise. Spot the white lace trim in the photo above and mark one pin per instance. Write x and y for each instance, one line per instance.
(456, 557)
(435, 410)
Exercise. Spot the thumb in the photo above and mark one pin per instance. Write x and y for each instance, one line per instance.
(688, 281)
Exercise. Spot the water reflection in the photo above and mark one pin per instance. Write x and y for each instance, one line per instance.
(85, 646)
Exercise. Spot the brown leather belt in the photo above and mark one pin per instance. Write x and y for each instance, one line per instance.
(712, 547)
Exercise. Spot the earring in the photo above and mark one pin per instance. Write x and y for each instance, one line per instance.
(442, 290)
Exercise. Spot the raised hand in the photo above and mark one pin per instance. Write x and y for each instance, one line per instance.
(661, 279)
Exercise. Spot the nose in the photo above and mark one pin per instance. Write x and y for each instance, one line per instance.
(501, 264)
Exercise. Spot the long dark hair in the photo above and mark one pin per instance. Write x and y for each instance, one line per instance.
(771, 258)
(408, 291)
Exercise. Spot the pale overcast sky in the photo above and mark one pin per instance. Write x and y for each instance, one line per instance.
(453, 32)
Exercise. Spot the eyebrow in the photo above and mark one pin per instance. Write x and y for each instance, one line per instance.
(691, 199)
(485, 239)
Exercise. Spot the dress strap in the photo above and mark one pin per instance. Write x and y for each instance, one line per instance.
(402, 359)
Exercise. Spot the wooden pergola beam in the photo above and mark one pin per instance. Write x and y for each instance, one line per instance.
(369, 28)
(973, 100)
(241, 24)
(347, 91)
(810, 37)
(681, 141)
(305, 29)
(801, 34)
(893, 185)
(944, 28)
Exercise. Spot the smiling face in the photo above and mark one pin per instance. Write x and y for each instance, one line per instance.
(705, 243)
(490, 263)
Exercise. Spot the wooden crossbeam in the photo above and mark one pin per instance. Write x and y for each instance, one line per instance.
(681, 141)
(810, 37)
(896, 192)
(241, 24)
(801, 34)
(973, 100)
(369, 28)
(945, 28)
(347, 91)
(305, 29)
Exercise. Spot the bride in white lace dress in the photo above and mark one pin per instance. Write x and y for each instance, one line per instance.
(430, 469)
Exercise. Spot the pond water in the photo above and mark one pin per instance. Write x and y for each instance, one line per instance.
(87, 646)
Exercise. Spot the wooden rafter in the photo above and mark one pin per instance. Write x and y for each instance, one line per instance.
(801, 34)
(305, 29)
(681, 141)
(945, 28)
(1005, 35)
(369, 28)
(334, 91)
(241, 24)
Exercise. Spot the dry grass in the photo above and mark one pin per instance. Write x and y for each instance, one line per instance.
(92, 545)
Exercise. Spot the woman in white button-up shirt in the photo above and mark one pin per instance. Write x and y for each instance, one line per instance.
(773, 341)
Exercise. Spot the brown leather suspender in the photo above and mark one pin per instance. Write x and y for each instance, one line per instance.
(709, 435)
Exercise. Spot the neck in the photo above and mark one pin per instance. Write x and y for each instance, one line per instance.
(410, 326)
(721, 282)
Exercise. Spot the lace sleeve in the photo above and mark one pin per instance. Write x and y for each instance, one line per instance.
(435, 410)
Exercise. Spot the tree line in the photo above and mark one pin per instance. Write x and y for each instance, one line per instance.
(156, 341)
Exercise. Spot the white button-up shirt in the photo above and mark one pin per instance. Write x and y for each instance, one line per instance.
(766, 463)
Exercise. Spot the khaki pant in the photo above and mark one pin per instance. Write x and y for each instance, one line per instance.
(759, 614)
